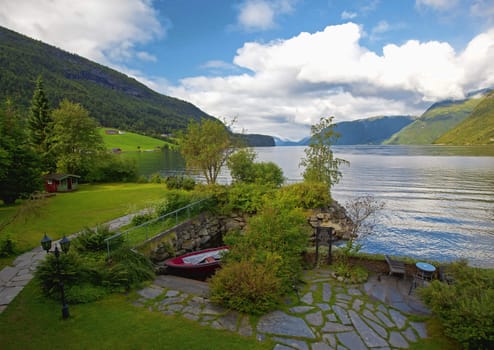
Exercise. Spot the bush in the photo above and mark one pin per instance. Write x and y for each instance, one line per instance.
(180, 182)
(246, 286)
(111, 168)
(466, 307)
(245, 197)
(7, 247)
(94, 240)
(307, 195)
(142, 218)
(156, 178)
(72, 269)
(128, 269)
(174, 200)
(266, 259)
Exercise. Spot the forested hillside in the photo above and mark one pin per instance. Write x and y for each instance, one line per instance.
(370, 131)
(438, 119)
(112, 98)
(477, 129)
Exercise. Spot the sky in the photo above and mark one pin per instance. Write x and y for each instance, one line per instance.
(278, 66)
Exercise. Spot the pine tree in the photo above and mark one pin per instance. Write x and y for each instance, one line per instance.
(39, 124)
(39, 121)
(20, 173)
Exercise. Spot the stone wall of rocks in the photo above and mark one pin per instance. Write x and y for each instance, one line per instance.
(336, 217)
(205, 231)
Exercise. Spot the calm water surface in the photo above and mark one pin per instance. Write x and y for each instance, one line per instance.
(439, 200)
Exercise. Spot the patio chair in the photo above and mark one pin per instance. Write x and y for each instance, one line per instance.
(422, 277)
(395, 266)
(444, 275)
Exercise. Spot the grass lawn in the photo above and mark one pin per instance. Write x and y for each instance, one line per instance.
(67, 213)
(131, 142)
(34, 322)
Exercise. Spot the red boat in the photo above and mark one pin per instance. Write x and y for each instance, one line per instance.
(197, 265)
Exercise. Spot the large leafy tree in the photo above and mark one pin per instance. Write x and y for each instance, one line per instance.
(75, 140)
(206, 147)
(40, 124)
(20, 172)
(243, 168)
(320, 163)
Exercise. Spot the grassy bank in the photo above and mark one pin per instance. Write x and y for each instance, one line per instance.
(67, 213)
(34, 322)
(131, 142)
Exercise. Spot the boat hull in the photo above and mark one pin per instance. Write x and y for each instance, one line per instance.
(182, 265)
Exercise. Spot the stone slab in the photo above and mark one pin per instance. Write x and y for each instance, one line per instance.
(293, 343)
(8, 294)
(279, 323)
(369, 336)
(185, 285)
(351, 340)
(7, 273)
(396, 340)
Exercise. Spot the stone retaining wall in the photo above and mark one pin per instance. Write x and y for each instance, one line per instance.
(204, 231)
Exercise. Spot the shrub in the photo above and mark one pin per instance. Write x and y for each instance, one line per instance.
(94, 240)
(246, 286)
(128, 269)
(141, 218)
(246, 197)
(7, 247)
(274, 239)
(156, 178)
(174, 200)
(72, 270)
(466, 307)
(180, 182)
(307, 195)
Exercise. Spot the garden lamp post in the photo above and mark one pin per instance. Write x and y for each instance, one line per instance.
(330, 245)
(65, 246)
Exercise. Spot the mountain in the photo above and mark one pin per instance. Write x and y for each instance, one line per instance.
(370, 131)
(256, 140)
(476, 129)
(112, 98)
(438, 119)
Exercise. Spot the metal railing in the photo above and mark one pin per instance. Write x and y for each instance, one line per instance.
(151, 228)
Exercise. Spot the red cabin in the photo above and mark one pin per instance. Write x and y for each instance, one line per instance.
(61, 182)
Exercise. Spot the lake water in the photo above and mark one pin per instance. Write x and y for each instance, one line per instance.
(439, 200)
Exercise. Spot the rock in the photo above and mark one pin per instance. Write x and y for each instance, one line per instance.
(279, 323)
(351, 340)
(396, 340)
(370, 337)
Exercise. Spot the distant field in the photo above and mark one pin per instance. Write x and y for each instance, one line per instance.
(130, 142)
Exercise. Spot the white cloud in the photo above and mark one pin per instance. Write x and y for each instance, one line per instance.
(440, 5)
(348, 15)
(296, 81)
(259, 15)
(483, 8)
(103, 31)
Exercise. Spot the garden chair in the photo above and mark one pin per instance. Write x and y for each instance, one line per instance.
(395, 266)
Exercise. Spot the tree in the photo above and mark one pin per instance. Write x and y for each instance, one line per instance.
(20, 173)
(206, 147)
(39, 120)
(320, 163)
(75, 140)
(362, 211)
(243, 168)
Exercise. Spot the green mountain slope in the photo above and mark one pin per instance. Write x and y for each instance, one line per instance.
(112, 98)
(477, 129)
(437, 120)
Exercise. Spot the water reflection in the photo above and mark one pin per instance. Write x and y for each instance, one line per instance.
(439, 199)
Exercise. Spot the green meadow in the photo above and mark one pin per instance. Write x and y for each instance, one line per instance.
(131, 142)
(67, 213)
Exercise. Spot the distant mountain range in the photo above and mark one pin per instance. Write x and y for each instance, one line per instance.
(117, 101)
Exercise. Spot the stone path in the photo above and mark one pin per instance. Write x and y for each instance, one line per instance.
(13, 278)
(327, 316)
